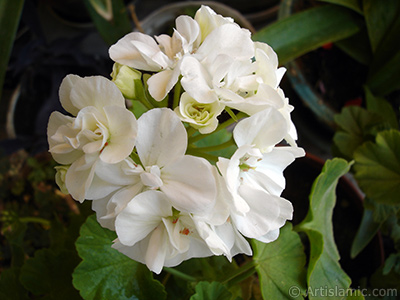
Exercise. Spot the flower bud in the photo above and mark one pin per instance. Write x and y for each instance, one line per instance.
(123, 77)
(60, 178)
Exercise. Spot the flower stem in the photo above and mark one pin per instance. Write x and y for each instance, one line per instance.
(240, 274)
(177, 94)
(180, 274)
(222, 146)
(190, 131)
(35, 220)
(195, 152)
(144, 102)
(220, 127)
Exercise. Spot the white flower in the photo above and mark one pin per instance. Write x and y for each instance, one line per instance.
(208, 20)
(201, 116)
(150, 231)
(254, 175)
(164, 54)
(101, 129)
(241, 83)
(187, 181)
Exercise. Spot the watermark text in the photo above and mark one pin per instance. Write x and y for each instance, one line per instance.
(325, 291)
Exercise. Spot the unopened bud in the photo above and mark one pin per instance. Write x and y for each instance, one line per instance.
(60, 178)
(124, 77)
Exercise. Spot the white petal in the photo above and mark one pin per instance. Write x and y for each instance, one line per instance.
(99, 188)
(189, 184)
(269, 172)
(122, 126)
(123, 173)
(57, 128)
(220, 212)
(196, 81)
(160, 84)
(96, 91)
(209, 20)
(65, 91)
(100, 207)
(267, 212)
(135, 50)
(141, 216)
(161, 137)
(80, 175)
(269, 52)
(228, 38)
(269, 237)
(188, 29)
(217, 245)
(197, 248)
(264, 129)
(119, 200)
(156, 250)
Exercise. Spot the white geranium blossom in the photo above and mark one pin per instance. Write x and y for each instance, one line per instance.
(244, 84)
(187, 181)
(101, 129)
(164, 54)
(254, 175)
(150, 231)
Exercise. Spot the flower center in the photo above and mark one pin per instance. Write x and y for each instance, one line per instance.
(250, 160)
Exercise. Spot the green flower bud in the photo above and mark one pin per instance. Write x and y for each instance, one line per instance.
(123, 77)
(60, 178)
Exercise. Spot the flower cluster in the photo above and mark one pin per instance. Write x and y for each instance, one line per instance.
(165, 205)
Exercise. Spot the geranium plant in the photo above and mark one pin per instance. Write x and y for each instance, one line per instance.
(176, 166)
(167, 206)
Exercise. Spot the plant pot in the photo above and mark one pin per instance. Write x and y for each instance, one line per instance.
(162, 20)
(347, 215)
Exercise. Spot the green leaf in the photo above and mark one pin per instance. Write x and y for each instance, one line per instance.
(106, 273)
(357, 47)
(211, 291)
(10, 12)
(379, 16)
(387, 78)
(352, 4)
(280, 266)
(366, 232)
(383, 75)
(324, 270)
(392, 263)
(54, 271)
(377, 168)
(112, 29)
(302, 32)
(214, 268)
(10, 286)
(382, 107)
(356, 125)
(15, 238)
(103, 8)
(381, 212)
